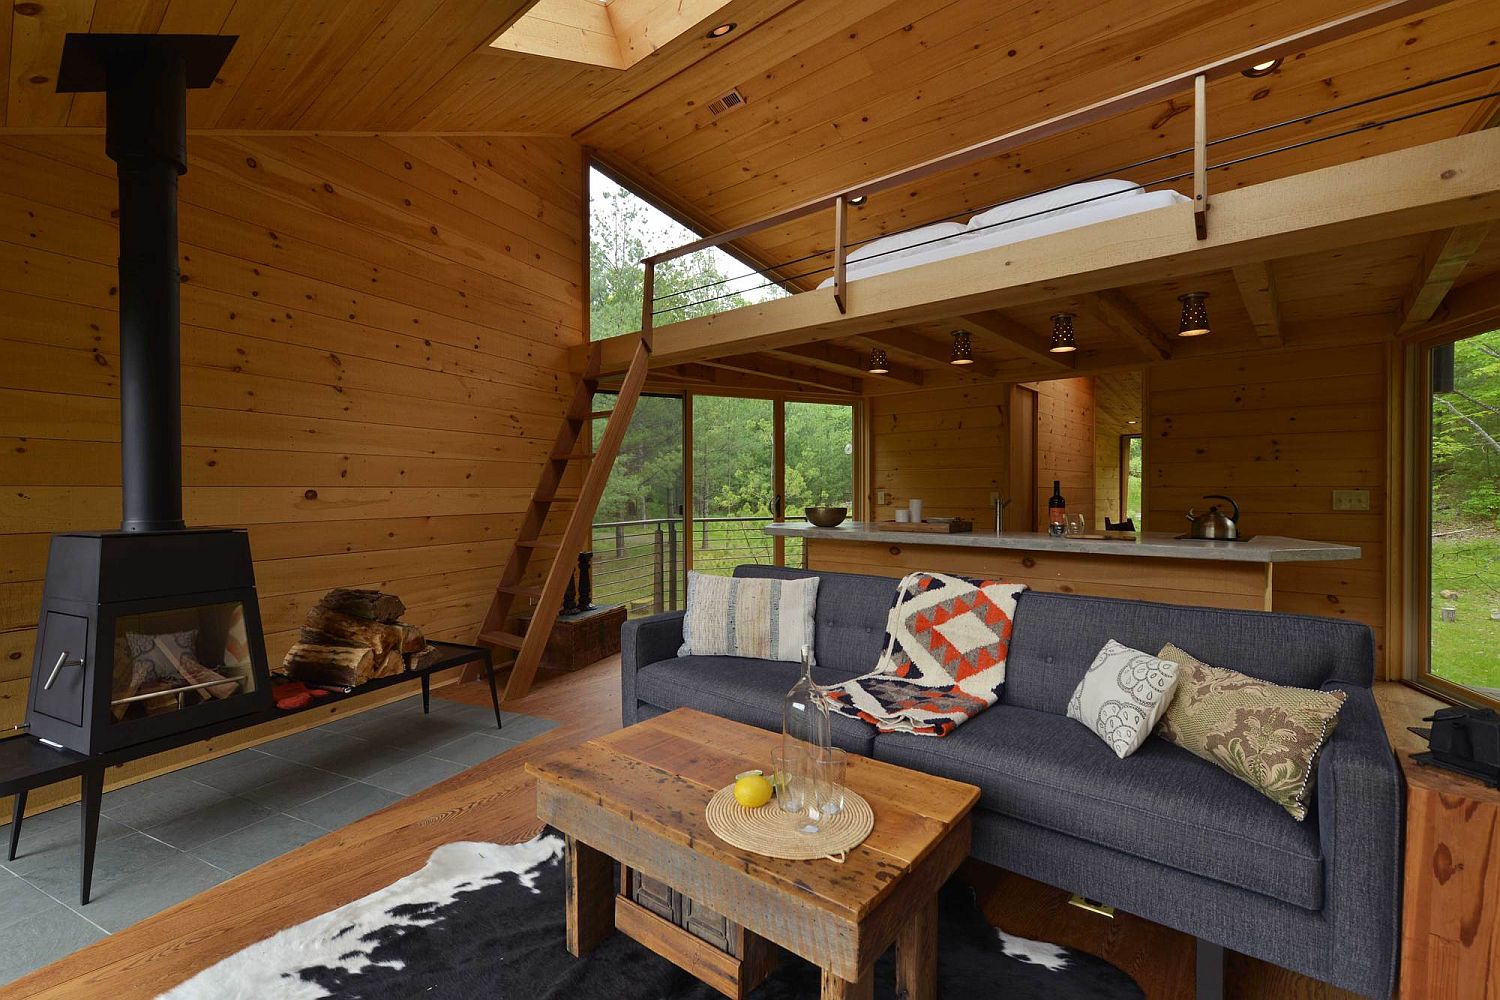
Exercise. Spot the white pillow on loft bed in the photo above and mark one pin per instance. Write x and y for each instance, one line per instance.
(1037, 207)
(911, 239)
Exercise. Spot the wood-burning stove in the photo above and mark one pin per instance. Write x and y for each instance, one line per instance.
(153, 629)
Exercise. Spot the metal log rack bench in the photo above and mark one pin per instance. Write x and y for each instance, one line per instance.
(1251, 215)
(26, 762)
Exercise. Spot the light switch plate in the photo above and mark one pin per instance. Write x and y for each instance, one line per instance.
(1351, 499)
(882, 497)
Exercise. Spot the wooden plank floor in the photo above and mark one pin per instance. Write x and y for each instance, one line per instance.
(496, 801)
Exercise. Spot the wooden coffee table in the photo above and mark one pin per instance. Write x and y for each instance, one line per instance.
(638, 796)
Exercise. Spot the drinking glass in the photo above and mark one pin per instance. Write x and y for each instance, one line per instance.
(786, 766)
(832, 767)
(1077, 524)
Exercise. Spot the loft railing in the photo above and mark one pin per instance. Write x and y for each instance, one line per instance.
(1196, 79)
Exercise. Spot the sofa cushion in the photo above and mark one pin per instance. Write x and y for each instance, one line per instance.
(1123, 694)
(761, 619)
(852, 609)
(745, 690)
(1161, 803)
(1057, 635)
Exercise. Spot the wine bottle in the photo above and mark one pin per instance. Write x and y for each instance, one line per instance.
(1057, 511)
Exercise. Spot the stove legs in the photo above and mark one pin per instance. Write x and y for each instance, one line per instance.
(92, 782)
(17, 811)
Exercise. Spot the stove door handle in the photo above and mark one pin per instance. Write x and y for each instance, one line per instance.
(62, 661)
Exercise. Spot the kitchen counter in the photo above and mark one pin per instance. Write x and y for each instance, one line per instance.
(1154, 566)
(1157, 544)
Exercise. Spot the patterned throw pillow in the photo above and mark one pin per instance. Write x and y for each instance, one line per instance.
(1122, 696)
(762, 619)
(1265, 734)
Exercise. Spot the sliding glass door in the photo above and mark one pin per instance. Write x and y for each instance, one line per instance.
(1461, 507)
(817, 463)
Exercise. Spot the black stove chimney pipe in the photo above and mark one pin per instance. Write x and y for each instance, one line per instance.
(145, 80)
(146, 135)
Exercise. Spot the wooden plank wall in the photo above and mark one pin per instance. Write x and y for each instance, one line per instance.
(374, 351)
(1065, 444)
(948, 446)
(1279, 431)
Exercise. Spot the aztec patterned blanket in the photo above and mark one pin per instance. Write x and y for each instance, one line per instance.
(946, 641)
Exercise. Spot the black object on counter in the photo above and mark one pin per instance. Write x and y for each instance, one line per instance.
(1466, 740)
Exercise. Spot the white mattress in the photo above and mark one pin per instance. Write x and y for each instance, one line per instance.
(1017, 232)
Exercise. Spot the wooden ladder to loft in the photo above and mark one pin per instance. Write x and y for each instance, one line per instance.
(572, 445)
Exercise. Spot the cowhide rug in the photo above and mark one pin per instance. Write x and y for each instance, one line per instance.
(486, 921)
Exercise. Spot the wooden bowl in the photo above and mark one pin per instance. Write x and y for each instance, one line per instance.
(826, 517)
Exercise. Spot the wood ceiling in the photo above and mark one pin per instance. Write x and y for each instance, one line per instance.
(837, 91)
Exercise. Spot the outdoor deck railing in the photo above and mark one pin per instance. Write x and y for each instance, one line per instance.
(640, 563)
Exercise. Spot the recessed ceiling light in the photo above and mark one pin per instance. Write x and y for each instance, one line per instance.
(1263, 68)
(719, 31)
(859, 199)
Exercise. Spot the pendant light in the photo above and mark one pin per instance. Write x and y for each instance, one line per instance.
(963, 349)
(878, 364)
(1194, 320)
(1062, 334)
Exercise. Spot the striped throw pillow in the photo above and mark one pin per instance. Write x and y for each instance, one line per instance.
(759, 619)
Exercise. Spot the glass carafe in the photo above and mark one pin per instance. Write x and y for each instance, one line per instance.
(805, 736)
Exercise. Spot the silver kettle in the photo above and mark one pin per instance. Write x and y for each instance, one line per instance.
(1215, 524)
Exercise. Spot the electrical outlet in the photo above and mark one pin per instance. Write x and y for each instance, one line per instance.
(1351, 499)
(882, 497)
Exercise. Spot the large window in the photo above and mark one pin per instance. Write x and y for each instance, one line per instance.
(1462, 513)
(625, 228)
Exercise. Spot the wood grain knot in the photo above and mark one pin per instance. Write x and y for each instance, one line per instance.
(1028, 562)
(895, 550)
(28, 9)
(1443, 866)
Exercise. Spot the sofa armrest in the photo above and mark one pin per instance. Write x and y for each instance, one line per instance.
(1360, 822)
(644, 641)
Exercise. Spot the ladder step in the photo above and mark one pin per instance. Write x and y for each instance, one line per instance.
(539, 544)
(522, 591)
(600, 414)
(558, 498)
(509, 640)
(570, 456)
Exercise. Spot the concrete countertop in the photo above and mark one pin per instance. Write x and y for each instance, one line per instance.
(1151, 544)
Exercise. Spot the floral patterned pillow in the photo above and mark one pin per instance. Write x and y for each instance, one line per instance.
(1123, 694)
(1265, 734)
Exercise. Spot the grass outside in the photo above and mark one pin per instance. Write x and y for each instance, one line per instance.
(1466, 567)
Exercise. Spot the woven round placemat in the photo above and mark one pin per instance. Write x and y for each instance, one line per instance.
(769, 831)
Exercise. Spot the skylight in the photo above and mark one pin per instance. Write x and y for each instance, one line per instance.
(612, 33)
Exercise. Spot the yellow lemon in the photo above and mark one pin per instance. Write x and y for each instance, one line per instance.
(752, 790)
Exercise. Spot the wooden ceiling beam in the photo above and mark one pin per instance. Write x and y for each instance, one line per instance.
(1112, 308)
(1467, 309)
(1444, 258)
(1257, 285)
(845, 361)
(995, 323)
(776, 369)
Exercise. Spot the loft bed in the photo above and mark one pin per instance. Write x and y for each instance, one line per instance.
(1117, 249)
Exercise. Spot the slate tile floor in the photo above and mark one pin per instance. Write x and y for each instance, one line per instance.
(168, 838)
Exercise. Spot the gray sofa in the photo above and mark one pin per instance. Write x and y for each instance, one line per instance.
(1162, 833)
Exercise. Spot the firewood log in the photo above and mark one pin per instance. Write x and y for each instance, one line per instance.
(393, 662)
(371, 605)
(335, 666)
(412, 640)
(333, 628)
(423, 658)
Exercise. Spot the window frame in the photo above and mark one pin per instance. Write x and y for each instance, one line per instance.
(1416, 527)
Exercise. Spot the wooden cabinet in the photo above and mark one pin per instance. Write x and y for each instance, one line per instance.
(1450, 939)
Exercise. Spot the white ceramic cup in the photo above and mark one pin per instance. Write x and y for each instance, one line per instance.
(916, 511)
(903, 517)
